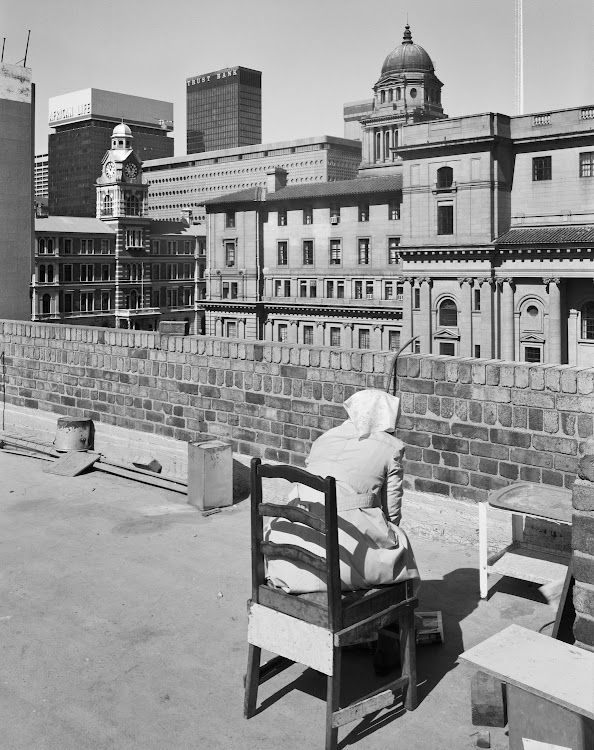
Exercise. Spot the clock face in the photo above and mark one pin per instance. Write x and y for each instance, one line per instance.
(109, 169)
(131, 170)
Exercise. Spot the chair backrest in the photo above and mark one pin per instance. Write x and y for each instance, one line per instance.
(327, 526)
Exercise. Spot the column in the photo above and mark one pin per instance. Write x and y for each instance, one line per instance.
(508, 350)
(348, 336)
(407, 324)
(320, 334)
(573, 334)
(554, 337)
(465, 319)
(377, 337)
(268, 330)
(218, 327)
(487, 337)
(425, 322)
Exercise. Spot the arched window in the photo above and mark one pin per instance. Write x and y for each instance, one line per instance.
(45, 304)
(50, 246)
(107, 205)
(398, 94)
(42, 274)
(41, 247)
(132, 205)
(382, 96)
(445, 177)
(588, 320)
(50, 274)
(387, 142)
(127, 270)
(448, 313)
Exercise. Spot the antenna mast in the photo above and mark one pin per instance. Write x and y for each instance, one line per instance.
(519, 56)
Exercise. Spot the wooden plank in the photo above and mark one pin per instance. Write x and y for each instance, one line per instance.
(294, 606)
(373, 702)
(376, 601)
(293, 474)
(72, 463)
(293, 513)
(554, 670)
(294, 639)
(538, 500)
(294, 553)
(358, 630)
(530, 563)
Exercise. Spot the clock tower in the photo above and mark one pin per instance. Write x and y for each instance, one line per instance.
(121, 203)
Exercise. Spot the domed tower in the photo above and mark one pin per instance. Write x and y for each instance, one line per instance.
(407, 91)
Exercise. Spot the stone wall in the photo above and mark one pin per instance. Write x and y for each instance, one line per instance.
(468, 425)
(583, 562)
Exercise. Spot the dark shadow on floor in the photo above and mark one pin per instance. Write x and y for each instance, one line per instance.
(241, 482)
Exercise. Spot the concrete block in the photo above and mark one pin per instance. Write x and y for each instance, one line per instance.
(487, 696)
(147, 463)
(210, 474)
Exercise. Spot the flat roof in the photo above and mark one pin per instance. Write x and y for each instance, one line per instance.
(74, 224)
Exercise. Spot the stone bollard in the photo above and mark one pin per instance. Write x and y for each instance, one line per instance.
(210, 474)
(582, 542)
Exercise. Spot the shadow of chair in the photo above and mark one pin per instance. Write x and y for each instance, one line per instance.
(312, 629)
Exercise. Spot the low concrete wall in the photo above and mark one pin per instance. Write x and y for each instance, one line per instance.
(469, 425)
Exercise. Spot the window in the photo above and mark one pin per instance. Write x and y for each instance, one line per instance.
(393, 340)
(334, 336)
(104, 247)
(541, 168)
(282, 332)
(448, 313)
(86, 301)
(86, 247)
(282, 253)
(369, 289)
(45, 304)
(172, 247)
(340, 289)
(105, 301)
(313, 288)
(42, 274)
(477, 351)
(364, 338)
(308, 287)
(358, 290)
(107, 206)
(50, 246)
(330, 289)
(445, 219)
(363, 211)
(477, 299)
(67, 271)
(587, 164)
(201, 247)
(230, 290)
(416, 298)
(156, 271)
(445, 177)
(41, 246)
(50, 274)
(388, 290)
(308, 252)
(363, 252)
(335, 253)
(155, 247)
(134, 238)
(588, 321)
(531, 354)
(68, 246)
(132, 205)
(393, 210)
(232, 329)
(229, 254)
(67, 302)
(230, 220)
(393, 245)
(308, 215)
(334, 214)
(186, 271)
(282, 288)
(282, 217)
(86, 272)
(448, 348)
(308, 335)
(104, 273)
(187, 249)
(399, 291)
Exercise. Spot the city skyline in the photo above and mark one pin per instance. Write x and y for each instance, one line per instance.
(314, 63)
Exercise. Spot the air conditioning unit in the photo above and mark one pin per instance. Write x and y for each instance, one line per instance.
(334, 219)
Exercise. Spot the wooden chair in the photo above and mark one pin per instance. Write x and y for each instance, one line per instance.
(312, 629)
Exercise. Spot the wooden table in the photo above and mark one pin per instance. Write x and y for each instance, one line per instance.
(550, 688)
(521, 559)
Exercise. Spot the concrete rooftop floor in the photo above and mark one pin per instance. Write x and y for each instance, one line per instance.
(123, 626)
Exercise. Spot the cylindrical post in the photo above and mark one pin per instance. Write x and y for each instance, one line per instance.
(554, 338)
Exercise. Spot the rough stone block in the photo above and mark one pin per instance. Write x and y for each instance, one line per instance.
(435, 488)
(443, 443)
(511, 437)
(487, 696)
(453, 476)
(583, 629)
(555, 444)
(583, 495)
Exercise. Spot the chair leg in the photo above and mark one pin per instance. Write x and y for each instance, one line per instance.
(408, 657)
(252, 680)
(333, 699)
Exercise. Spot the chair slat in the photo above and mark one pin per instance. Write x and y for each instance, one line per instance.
(293, 513)
(293, 553)
(292, 474)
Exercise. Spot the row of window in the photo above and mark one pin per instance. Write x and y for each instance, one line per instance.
(133, 238)
(335, 336)
(542, 167)
(308, 214)
(71, 302)
(87, 246)
(335, 289)
(132, 205)
(130, 272)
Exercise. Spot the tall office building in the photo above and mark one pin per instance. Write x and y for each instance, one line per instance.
(16, 190)
(83, 122)
(41, 175)
(224, 109)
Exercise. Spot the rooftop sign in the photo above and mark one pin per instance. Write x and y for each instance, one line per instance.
(90, 104)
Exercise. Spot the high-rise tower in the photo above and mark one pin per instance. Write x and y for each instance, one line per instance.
(224, 109)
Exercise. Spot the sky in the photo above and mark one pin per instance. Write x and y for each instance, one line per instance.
(314, 55)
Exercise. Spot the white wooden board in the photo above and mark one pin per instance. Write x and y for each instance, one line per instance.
(541, 665)
(530, 564)
(294, 639)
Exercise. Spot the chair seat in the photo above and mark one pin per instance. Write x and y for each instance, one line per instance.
(356, 605)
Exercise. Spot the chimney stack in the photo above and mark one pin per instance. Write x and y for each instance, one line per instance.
(276, 179)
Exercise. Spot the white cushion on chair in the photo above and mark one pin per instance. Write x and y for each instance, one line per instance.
(294, 639)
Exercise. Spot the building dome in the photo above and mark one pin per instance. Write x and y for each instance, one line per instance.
(407, 56)
(123, 131)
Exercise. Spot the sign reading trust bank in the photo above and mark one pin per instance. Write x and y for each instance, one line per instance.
(212, 79)
(96, 104)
